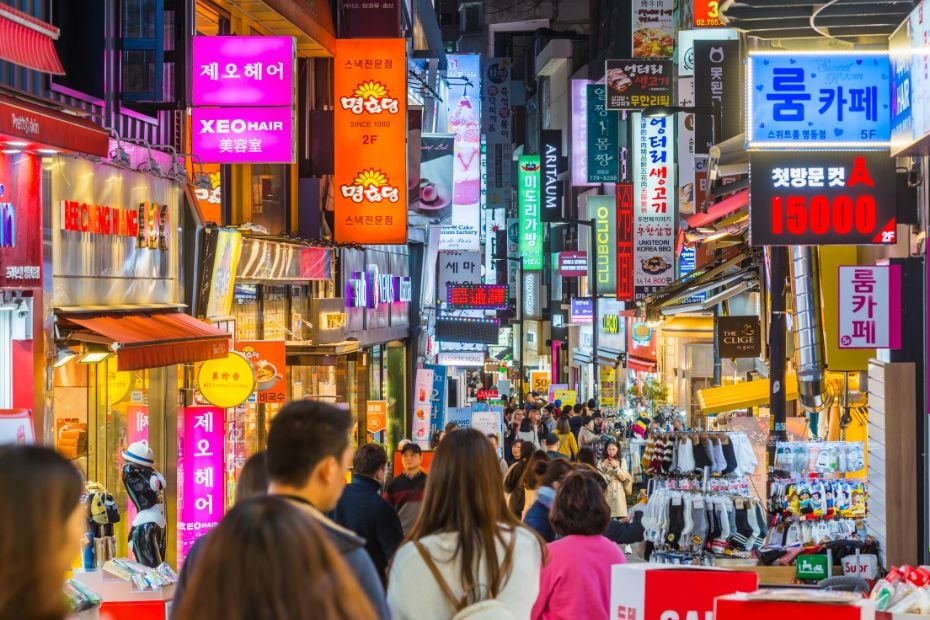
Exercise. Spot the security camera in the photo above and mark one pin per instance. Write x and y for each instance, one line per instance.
(22, 309)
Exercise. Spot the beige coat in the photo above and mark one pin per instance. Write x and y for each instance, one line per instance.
(619, 485)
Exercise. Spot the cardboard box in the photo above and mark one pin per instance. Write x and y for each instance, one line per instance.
(740, 607)
(659, 592)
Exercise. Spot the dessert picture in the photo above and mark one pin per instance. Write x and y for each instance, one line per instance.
(431, 198)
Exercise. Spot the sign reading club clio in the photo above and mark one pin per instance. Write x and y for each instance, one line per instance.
(822, 198)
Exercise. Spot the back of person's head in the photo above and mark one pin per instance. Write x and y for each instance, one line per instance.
(268, 560)
(450, 426)
(302, 435)
(39, 530)
(526, 450)
(566, 410)
(464, 494)
(253, 479)
(552, 471)
(369, 460)
(529, 479)
(577, 408)
(563, 425)
(586, 419)
(592, 404)
(580, 507)
(586, 455)
(552, 440)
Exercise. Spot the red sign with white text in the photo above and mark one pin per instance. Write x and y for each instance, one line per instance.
(625, 289)
(707, 14)
(20, 221)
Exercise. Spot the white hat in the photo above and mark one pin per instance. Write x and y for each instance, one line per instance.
(140, 453)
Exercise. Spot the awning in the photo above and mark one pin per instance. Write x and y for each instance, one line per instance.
(742, 395)
(42, 126)
(28, 42)
(150, 340)
(309, 21)
(640, 365)
(720, 209)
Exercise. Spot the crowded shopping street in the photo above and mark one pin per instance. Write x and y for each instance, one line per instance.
(464, 309)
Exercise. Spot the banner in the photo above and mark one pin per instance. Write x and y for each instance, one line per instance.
(202, 498)
(497, 125)
(269, 359)
(604, 211)
(531, 233)
(437, 397)
(376, 416)
(624, 264)
(654, 219)
(370, 137)
(869, 307)
(717, 73)
(20, 221)
(573, 264)
(463, 114)
(431, 195)
(422, 406)
(579, 152)
(457, 268)
(653, 28)
(603, 137)
(553, 165)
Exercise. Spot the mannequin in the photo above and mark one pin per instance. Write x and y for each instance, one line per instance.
(146, 488)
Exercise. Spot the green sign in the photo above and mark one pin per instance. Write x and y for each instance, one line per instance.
(531, 237)
(812, 567)
(604, 211)
(603, 138)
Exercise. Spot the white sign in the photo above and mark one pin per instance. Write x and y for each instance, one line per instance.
(870, 306)
(422, 405)
(488, 422)
(686, 39)
(459, 237)
(497, 123)
(457, 268)
(461, 358)
(686, 197)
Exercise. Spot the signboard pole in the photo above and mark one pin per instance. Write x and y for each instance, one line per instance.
(778, 331)
(592, 240)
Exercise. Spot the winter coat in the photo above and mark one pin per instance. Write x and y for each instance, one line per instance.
(618, 479)
(362, 510)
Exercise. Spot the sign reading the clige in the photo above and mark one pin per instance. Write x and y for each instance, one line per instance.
(819, 100)
(738, 336)
(635, 84)
(869, 307)
(370, 141)
(531, 238)
(243, 71)
(822, 198)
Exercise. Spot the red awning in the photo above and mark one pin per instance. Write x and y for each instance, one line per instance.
(28, 42)
(150, 340)
(641, 365)
(720, 209)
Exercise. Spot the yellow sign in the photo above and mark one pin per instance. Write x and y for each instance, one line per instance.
(567, 397)
(332, 320)
(226, 382)
(376, 420)
(539, 381)
(608, 386)
(118, 382)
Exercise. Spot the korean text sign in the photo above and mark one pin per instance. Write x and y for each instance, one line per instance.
(869, 307)
(244, 71)
(580, 132)
(603, 137)
(20, 221)
(528, 188)
(269, 359)
(625, 217)
(370, 141)
(706, 13)
(822, 198)
(654, 204)
(819, 100)
(635, 84)
(244, 135)
(604, 211)
(911, 76)
(498, 128)
(200, 470)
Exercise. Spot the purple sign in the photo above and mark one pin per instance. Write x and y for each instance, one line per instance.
(244, 71)
(573, 264)
(200, 474)
(582, 310)
(243, 135)
(579, 153)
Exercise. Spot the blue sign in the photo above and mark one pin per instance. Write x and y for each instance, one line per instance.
(438, 397)
(582, 310)
(687, 262)
(460, 415)
(819, 100)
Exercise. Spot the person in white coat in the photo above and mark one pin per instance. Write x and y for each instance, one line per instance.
(466, 547)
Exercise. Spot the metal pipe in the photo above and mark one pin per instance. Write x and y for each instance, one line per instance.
(592, 278)
(777, 268)
(814, 394)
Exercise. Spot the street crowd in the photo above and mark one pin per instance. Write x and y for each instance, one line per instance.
(532, 533)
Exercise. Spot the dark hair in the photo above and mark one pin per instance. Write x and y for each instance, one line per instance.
(579, 506)
(450, 426)
(44, 490)
(566, 409)
(529, 479)
(552, 471)
(526, 449)
(266, 560)
(563, 426)
(302, 435)
(592, 470)
(552, 439)
(586, 419)
(577, 408)
(494, 437)
(253, 479)
(464, 494)
(369, 459)
(592, 404)
(586, 455)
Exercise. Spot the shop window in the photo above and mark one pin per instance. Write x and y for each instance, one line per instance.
(270, 197)
(143, 50)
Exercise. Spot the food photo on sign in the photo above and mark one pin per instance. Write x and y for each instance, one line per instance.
(431, 195)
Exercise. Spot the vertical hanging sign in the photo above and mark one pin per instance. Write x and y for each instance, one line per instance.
(498, 130)
(463, 114)
(717, 69)
(625, 291)
(200, 474)
(603, 137)
(604, 210)
(579, 151)
(531, 240)
(370, 128)
(552, 164)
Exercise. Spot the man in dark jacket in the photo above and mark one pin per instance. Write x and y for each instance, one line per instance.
(362, 509)
(405, 493)
(308, 457)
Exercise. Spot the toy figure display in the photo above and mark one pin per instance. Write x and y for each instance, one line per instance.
(102, 513)
(146, 488)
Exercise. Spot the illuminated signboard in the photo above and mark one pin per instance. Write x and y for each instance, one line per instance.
(582, 310)
(603, 137)
(371, 288)
(819, 100)
(466, 329)
(244, 135)
(869, 307)
(604, 211)
(706, 13)
(822, 198)
(477, 296)
(463, 118)
(531, 237)
(148, 224)
(552, 166)
(243, 71)
(573, 264)
(634, 84)
(580, 132)
(20, 221)
(625, 289)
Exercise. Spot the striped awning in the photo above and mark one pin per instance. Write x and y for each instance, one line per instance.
(28, 42)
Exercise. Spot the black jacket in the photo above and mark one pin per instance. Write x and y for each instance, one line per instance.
(362, 510)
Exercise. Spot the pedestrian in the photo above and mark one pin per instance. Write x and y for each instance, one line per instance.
(575, 419)
(575, 582)
(513, 429)
(533, 429)
(40, 531)
(270, 560)
(308, 457)
(362, 509)
(253, 477)
(551, 475)
(513, 490)
(586, 456)
(495, 443)
(529, 482)
(587, 436)
(552, 447)
(619, 481)
(405, 492)
(567, 445)
(448, 428)
(466, 550)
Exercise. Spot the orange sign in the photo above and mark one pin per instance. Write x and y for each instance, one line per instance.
(269, 359)
(376, 420)
(370, 141)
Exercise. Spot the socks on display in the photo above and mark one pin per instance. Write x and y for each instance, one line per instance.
(699, 524)
(729, 455)
(701, 459)
(720, 461)
(744, 535)
(676, 521)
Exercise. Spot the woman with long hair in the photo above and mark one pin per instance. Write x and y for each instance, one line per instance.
(40, 531)
(619, 481)
(466, 546)
(513, 489)
(530, 480)
(268, 560)
(567, 445)
(575, 582)
(551, 473)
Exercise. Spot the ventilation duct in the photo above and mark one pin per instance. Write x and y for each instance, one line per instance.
(814, 394)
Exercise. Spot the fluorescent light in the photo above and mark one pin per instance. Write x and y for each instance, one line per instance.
(17, 143)
(47, 151)
(11, 151)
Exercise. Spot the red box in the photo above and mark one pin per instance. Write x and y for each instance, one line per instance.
(656, 592)
(133, 610)
(737, 607)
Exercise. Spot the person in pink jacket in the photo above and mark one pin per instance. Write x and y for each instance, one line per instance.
(575, 581)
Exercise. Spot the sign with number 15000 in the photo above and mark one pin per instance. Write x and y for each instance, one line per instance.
(822, 198)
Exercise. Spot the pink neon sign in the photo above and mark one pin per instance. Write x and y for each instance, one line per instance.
(243, 135)
(200, 474)
(243, 71)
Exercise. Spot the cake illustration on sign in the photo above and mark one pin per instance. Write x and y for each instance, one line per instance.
(464, 124)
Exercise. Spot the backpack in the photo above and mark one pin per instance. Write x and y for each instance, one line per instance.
(488, 609)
